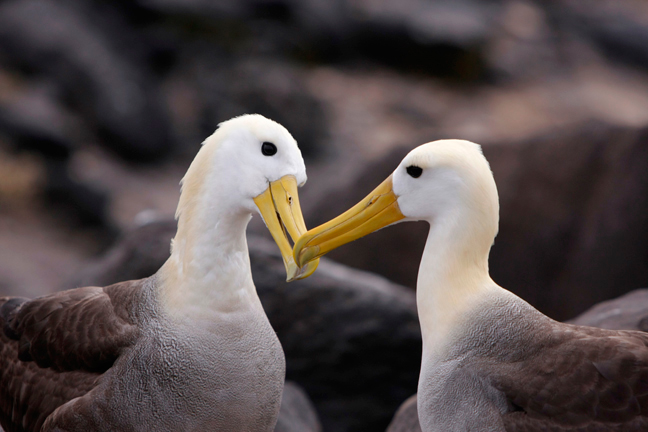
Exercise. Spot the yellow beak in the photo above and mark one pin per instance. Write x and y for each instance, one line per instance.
(279, 207)
(375, 211)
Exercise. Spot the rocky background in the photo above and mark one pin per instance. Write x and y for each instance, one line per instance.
(104, 104)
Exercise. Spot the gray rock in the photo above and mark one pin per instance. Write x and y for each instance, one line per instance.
(351, 339)
(57, 40)
(406, 418)
(436, 37)
(227, 87)
(137, 254)
(628, 312)
(33, 121)
(297, 413)
(619, 32)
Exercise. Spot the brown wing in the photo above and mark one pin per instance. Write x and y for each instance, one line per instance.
(84, 328)
(28, 393)
(580, 376)
(521, 422)
(54, 348)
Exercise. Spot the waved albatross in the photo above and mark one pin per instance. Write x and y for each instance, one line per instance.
(187, 349)
(491, 362)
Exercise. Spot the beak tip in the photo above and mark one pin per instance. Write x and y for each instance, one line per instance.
(292, 272)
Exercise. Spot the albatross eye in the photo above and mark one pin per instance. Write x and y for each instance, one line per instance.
(268, 149)
(414, 171)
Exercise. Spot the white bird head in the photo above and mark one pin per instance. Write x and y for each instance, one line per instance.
(249, 165)
(446, 182)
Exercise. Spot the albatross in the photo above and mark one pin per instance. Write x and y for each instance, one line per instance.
(187, 349)
(491, 362)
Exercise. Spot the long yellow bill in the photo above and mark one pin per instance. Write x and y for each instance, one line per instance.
(375, 211)
(281, 212)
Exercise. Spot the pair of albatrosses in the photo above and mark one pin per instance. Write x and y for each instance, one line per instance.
(190, 348)
(187, 349)
(491, 362)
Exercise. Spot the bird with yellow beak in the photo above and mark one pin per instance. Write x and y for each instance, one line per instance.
(189, 348)
(491, 362)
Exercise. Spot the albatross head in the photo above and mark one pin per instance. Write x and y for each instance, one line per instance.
(249, 165)
(447, 183)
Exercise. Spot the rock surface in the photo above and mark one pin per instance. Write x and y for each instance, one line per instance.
(297, 413)
(61, 41)
(351, 339)
(406, 418)
(628, 312)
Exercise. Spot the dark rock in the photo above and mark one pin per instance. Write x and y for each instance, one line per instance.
(56, 40)
(406, 418)
(351, 339)
(628, 312)
(444, 38)
(297, 413)
(441, 37)
(137, 254)
(33, 121)
(87, 204)
(573, 219)
(273, 89)
(617, 31)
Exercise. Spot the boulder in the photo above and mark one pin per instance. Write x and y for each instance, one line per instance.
(628, 312)
(34, 122)
(297, 413)
(351, 339)
(617, 30)
(116, 93)
(406, 418)
(441, 38)
(573, 218)
(228, 87)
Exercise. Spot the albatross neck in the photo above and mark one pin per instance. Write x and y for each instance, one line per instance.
(209, 267)
(453, 276)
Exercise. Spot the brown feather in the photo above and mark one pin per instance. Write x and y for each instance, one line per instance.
(72, 336)
(579, 377)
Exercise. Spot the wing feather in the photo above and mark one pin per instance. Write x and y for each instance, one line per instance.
(580, 376)
(84, 328)
(55, 348)
(29, 393)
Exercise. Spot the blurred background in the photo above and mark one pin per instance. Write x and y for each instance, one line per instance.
(104, 104)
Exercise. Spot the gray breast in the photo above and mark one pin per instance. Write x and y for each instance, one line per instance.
(227, 378)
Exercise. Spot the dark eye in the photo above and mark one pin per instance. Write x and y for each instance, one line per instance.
(414, 171)
(268, 149)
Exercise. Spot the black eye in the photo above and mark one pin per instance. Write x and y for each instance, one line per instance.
(268, 149)
(414, 171)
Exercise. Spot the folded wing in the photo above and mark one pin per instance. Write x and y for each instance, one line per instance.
(55, 348)
(581, 376)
